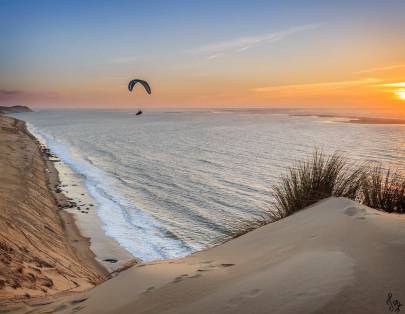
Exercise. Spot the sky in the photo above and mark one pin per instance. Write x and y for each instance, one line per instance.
(317, 54)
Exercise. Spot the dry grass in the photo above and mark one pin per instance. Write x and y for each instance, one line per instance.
(384, 190)
(322, 176)
(312, 180)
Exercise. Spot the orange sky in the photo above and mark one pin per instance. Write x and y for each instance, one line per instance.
(374, 88)
(342, 55)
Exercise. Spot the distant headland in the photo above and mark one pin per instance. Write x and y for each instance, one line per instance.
(14, 109)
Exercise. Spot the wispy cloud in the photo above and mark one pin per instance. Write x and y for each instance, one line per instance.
(215, 56)
(398, 84)
(244, 43)
(243, 48)
(313, 86)
(380, 69)
(128, 59)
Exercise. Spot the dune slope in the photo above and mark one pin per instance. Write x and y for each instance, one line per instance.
(36, 258)
(334, 257)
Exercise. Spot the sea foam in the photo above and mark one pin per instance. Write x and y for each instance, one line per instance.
(135, 230)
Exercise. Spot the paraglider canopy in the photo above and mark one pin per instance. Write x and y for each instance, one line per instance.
(145, 84)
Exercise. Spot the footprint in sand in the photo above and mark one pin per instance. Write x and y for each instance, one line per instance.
(60, 307)
(212, 267)
(149, 289)
(182, 277)
(78, 301)
(243, 297)
(77, 308)
(355, 211)
(227, 265)
(179, 278)
(207, 267)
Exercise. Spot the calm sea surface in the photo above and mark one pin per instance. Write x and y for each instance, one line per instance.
(169, 183)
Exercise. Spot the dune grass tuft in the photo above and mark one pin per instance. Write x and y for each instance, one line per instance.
(322, 176)
(384, 190)
(312, 180)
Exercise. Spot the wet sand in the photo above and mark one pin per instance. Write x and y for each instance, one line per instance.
(81, 209)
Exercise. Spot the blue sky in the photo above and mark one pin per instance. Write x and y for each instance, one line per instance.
(74, 48)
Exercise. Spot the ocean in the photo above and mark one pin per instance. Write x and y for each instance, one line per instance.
(169, 183)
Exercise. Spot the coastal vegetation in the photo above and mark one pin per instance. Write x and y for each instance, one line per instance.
(384, 189)
(322, 176)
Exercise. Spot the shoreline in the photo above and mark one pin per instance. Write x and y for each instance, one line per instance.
(79, 208)
(43, 253)
(73, 234)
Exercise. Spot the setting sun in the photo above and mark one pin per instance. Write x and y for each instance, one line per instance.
(401, 93)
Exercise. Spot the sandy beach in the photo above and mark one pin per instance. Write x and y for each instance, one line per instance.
(79, 208)
(43, 252)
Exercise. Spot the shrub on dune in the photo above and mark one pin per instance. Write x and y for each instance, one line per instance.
(384, 190)
(312, 180)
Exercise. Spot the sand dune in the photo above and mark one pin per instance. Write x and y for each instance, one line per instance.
(36, 256)
(334, 257)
